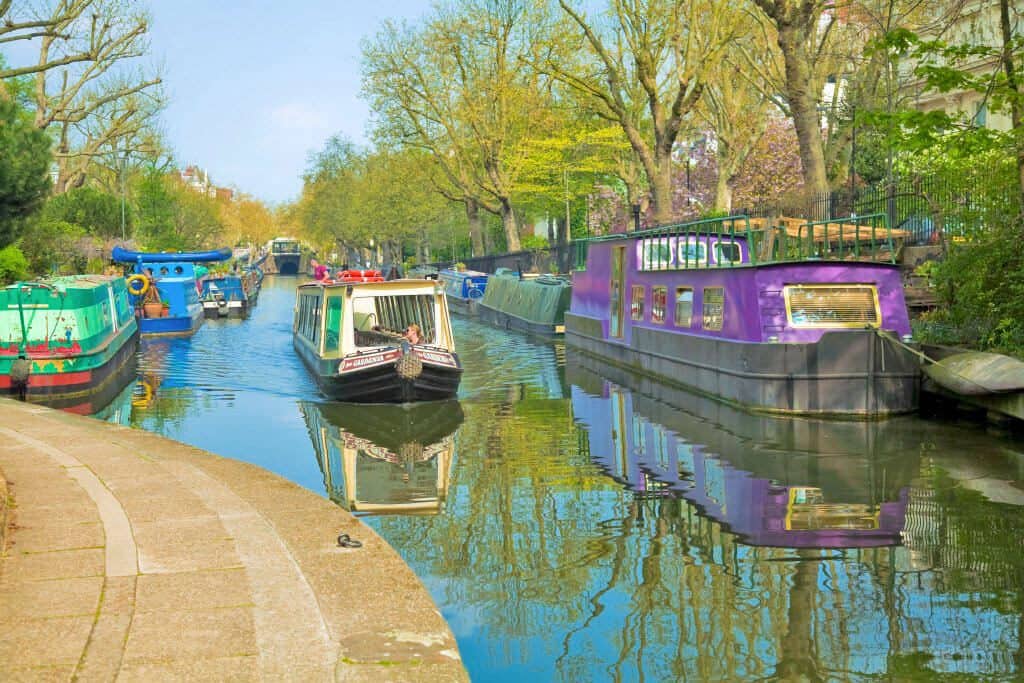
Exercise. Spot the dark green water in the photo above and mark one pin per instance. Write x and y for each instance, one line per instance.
(574, 524)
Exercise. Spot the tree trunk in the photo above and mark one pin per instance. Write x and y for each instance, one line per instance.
(508, 221)
(723, 189)
(1013, 82)
(803, 101)
(661, 190)
(476, 232)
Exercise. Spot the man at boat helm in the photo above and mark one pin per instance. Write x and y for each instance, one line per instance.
(412, 334)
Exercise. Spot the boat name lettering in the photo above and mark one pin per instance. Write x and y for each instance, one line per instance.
(440, 358)
(363, 361)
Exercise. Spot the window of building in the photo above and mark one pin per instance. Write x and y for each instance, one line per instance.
(684, 306)
(636, 306)
(659, 296)
(714, 308)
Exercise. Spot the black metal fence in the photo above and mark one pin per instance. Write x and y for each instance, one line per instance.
(925, 207)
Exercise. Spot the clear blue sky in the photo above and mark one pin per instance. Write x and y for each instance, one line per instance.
(255, 86)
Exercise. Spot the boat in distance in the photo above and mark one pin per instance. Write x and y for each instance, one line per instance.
(813, 325)
(164, 289)
(528, 302)
(349, 334)
(464, 289)
(68, 341)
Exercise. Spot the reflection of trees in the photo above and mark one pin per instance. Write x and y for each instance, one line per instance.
(550, 560)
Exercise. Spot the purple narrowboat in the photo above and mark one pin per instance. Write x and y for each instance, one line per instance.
(808, 324)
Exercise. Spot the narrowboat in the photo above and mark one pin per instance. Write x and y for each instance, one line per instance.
(774, 481)
(68, 342)
(349, 333)
(813, 325)
(165, 290)
(284, 256)
(385, 459)
(225, 296)
(530, 303)
(464, 289)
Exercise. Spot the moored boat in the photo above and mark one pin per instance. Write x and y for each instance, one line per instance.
(348, 332)
(815, 327)
(165, 290)
(66, 341)
(464, 289)
(530, 303)
(225, 296)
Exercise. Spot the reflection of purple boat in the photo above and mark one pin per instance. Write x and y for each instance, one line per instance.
(772, 481)
(814, 329)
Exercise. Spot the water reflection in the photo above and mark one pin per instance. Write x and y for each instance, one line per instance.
(385, 459)
(772, 481)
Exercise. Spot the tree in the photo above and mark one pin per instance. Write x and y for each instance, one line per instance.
(457, 90)
(24, 166)
(647, 73)
(97, 213)
(173, 217)
(88, 91)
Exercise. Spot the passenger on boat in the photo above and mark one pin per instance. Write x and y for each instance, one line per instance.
(412, 334)
(319, 269)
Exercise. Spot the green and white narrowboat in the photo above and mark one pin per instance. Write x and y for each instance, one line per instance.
(348, 332)
(64, 341)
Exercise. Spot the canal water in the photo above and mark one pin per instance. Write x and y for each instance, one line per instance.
(576, 524)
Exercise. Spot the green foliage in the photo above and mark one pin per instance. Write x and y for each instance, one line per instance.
(53, 246)
(13, 265)
(172, 217)
(24, 169)
(98, 213)
(534, 243)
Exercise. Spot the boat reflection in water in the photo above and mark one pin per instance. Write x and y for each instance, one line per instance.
(384, 458)
(782, 482)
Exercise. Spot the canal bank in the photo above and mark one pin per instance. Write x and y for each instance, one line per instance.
(131, 556)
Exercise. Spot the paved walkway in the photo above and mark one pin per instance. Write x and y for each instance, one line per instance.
(136, 558)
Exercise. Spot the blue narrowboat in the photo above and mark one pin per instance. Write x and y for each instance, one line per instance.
(464, 290)
(225, 296)
(164, 289)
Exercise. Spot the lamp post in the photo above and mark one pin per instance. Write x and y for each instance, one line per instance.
(636, 217)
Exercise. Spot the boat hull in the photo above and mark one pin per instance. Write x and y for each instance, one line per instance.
(89, 379)
(384, 382)
(855, 374)
(509, 321)
(469, 308)
(173, 326)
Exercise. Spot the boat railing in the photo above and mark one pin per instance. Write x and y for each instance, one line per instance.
(731, 241)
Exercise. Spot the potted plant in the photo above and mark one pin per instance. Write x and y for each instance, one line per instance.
(165, 309)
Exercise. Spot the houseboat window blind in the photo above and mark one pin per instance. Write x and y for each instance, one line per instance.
(636, 306)
(658, 299)
(714, 308)
(832, 305)
(684, 306)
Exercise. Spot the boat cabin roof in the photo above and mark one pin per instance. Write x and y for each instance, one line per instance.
(366, 289)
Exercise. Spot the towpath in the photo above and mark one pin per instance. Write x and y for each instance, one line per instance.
(129, 556)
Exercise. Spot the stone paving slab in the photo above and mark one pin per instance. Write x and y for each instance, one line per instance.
(132, 557)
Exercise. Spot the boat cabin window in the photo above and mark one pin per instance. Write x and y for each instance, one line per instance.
(714, 308)
(308, 320)
(332, 327)
(684, 306)
(832, 305)
(727, 252)
(659, 295)
(178, 270)
(692, 253)
(655, 254)
(636, 305)
(382, 319)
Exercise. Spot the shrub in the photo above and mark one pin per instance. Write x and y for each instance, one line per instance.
(13, 264)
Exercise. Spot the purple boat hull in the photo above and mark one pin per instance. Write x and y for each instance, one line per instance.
(758, 359)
